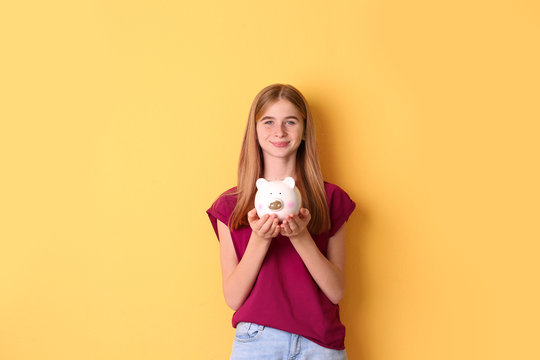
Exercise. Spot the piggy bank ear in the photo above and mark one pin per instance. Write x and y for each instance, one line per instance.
(260, 183)
(289, 181)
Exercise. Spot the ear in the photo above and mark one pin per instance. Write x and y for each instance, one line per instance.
(289, 181)
(260, 183)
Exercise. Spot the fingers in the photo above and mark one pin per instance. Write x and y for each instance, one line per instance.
(268, 222)
(252, 215)
(295, 220)
(304, 214)
(268, 225)
(285, 229)
(276, 230)
(295, 224)
(292, 223)
(265, 227)
(254, 220)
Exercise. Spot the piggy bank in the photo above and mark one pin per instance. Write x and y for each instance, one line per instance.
(277, 197)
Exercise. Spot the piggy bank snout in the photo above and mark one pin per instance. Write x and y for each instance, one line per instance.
(277, 204)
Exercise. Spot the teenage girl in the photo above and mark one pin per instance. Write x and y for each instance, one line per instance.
(284, 280)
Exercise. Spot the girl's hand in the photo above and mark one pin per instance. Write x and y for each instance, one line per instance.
(295, 225)
(266, 227)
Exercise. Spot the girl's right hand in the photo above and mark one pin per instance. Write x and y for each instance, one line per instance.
(266, 227)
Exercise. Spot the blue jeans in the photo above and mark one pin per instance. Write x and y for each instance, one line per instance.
(253, 341)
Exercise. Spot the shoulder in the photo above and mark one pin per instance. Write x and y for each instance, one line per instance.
(340, 206)
(335, 192)
(224, 204)
(222, 208)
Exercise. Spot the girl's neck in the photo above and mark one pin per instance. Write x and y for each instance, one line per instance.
(279, 169)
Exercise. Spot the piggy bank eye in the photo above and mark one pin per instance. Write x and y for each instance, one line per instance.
(270, 193)
(279, 193)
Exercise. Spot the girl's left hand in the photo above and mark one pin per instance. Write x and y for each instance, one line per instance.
(294, 225)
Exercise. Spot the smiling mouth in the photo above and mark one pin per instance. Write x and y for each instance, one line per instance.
(280, 144)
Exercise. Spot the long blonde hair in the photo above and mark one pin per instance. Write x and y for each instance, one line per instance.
(251, 164)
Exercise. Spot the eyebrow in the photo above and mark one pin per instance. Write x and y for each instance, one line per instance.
(287, 117)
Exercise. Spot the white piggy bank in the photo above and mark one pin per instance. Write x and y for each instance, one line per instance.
(277, 197)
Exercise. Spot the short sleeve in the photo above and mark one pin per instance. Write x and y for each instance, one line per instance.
(341, 207)
(220, 210)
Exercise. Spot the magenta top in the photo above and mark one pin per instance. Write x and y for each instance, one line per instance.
(284, 295)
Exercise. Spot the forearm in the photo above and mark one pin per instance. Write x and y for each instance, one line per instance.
(329, 278)
(238, 284)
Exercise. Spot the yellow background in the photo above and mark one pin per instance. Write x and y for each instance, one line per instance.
(121, 122)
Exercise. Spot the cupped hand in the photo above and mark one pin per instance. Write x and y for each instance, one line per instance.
(294, 225)
(266, 227)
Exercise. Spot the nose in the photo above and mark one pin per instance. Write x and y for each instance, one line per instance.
(280, 130)
(276, 205)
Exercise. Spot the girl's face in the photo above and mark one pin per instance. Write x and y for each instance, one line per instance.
(280, 129)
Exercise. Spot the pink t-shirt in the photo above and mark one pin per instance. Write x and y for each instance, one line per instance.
(284, 295)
